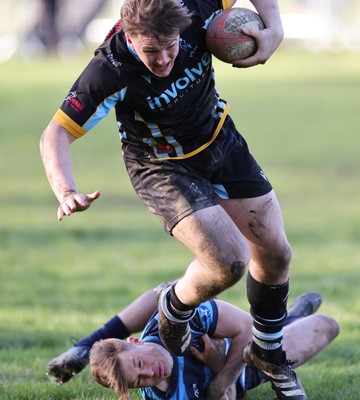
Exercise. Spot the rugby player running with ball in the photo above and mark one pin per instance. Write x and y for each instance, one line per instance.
(188, 164)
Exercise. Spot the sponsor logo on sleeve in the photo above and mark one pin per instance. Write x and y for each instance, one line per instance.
(73, 102)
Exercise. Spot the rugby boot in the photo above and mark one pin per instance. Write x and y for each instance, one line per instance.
(174, 334)
(62, 368)
(283, 379)
(304, 305)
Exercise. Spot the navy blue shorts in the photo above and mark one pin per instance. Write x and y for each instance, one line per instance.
(173, 189)
(250, 378)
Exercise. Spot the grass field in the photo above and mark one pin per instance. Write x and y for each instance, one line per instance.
(300, 115)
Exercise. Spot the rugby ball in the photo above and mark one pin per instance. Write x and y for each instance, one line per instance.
(224, 38)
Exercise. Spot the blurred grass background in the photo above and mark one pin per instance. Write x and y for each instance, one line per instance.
(300, 116)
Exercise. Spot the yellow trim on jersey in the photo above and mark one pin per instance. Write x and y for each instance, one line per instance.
(227, 4)
(67, 123)
(205, 145)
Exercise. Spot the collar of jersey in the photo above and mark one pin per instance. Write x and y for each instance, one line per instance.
(132, 51)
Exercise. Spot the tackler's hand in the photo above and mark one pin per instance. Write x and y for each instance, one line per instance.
(213, 354)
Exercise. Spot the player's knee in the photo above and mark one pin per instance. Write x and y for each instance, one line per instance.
(280, 257)
(275, 261)
(233, 272)
(285, 255)
(224, 274)
(333, 327)
(237, 271)
(226, 278)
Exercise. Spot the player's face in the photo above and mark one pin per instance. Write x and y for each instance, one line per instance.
(146, 364)
(158, 55)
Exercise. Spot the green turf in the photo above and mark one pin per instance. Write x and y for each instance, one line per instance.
(300, 115)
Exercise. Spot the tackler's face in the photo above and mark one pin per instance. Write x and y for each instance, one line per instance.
(145, 364)
(158, 54)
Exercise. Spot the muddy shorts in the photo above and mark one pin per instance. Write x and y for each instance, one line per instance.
(173, 189)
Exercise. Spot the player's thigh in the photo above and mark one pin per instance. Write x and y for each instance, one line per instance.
(213, 238)
(259, 218)
(170, 190)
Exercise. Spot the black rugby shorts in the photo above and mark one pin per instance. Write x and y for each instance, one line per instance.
(173, 189)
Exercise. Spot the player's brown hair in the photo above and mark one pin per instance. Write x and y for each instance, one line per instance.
(106, 367)
(155, 18)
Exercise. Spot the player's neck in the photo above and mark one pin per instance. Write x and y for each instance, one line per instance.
(164, 385)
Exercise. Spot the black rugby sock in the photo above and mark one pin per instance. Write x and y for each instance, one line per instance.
(114, 328)
(268, 309)
(176, 308)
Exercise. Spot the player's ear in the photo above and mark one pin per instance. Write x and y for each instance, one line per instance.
(134, 340)
(128, 38)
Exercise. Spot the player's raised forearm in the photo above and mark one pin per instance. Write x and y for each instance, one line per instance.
(55, 153)
(273, 34)
(268, 39)
(270, 14)
(235, 324)
(230, 371)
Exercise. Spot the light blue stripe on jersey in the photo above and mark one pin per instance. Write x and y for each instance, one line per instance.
(208, 21)
(220, 191)
(220, 108)
(104, 108)
(156, 133)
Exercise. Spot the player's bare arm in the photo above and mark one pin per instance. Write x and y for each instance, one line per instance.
(214, 356)
(55, 153)
(268, 39)
(235, 324)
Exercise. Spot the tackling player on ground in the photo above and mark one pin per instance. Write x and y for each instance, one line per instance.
(188, 164)
(165, 376)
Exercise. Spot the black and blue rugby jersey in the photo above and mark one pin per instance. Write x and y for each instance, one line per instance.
(161, 118)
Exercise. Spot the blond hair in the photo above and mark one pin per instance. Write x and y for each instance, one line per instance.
(106, 367)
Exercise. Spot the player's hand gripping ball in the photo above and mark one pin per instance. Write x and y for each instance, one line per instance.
(224, 38)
